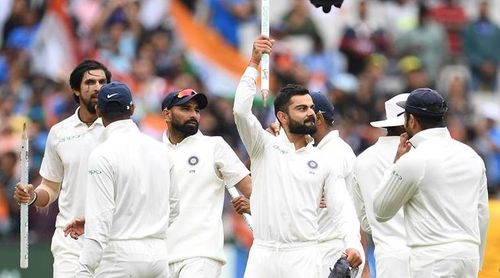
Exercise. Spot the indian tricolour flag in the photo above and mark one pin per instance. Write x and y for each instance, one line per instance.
(219, 65)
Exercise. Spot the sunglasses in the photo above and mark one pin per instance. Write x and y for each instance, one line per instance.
(186, 93)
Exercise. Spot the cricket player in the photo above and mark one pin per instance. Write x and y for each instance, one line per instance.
(392, 256)
(130, 198)
(441, 185)
(289, 175)
(203, 165)
(338, 227)
(64, 165)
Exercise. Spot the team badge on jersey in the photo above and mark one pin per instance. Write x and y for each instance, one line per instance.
(193, 160)
(312, 164)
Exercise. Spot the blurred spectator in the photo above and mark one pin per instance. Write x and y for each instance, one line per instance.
(8, 180)
(400, 16)
(15, 18)
(117, 32)
(323, 65)
(147, 88)
(225, 16)
(361, 39)
(481, 39)
(426, 42)
(488, 144)
(414, 74)
(452, 16)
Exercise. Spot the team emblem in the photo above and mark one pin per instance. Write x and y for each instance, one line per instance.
(312, 164)
(193, 160)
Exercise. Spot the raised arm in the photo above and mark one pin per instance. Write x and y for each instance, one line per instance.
(249, 127)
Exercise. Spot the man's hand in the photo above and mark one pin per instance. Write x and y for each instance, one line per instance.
(353, 257)
(274, 128)
(261, 45)
(322, 202)
(404, 146)
(75, 228)
(241, 204)
(24, 193)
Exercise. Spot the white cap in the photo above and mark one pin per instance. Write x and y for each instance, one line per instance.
(394, 113)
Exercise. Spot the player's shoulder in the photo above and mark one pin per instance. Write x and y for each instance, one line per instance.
(68, 123)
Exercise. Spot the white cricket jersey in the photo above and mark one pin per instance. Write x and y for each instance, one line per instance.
(389, 237)
(129, 191)
(68, 146)
(342, 222)
(441, 185)
(287, 183)
(203, 165)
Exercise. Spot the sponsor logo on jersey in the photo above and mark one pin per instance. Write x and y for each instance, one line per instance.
(94, 172)
(276, 147)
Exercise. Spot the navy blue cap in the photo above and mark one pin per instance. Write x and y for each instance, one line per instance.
(425, 102)
(183, 96)
(114, 97)
(322, 105)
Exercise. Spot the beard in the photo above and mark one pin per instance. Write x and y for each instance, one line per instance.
(188, 128)
(89, 105)
(308, 127)
(407, 129)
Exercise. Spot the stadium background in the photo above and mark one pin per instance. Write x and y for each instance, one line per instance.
(358, 56)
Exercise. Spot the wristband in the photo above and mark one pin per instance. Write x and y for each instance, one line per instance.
(34, 199)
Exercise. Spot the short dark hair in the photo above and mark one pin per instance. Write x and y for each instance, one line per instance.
(285, 94)
(75, 79)
(427, 122)
(116, 112)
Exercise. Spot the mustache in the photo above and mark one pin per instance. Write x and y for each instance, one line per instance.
(310, 119)
(192, 121)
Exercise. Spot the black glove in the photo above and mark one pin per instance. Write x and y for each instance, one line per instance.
(341, 269)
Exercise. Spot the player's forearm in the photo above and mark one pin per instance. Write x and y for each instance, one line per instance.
(245, 92)
(47, 192)
(245, 186)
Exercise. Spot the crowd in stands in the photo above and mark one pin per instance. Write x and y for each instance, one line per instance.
(359, 56)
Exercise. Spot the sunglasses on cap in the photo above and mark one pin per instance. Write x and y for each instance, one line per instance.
(186, 93)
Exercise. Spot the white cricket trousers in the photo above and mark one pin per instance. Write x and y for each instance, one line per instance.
(142, 258)
(196, 267)
(456, 259)
(275, 260)
(332, 251)
(66, 252)
(394, 264)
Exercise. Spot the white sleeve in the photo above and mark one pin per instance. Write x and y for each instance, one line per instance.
(52, 167)
(228, 166)
(251, 132)
(359, 205)
(339, 202)
(89, 258)
(483, 217)
(173, 198)
(398, 185)
(99, 209)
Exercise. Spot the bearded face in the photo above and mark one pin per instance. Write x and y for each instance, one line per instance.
(307, 127)
(188, 127)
